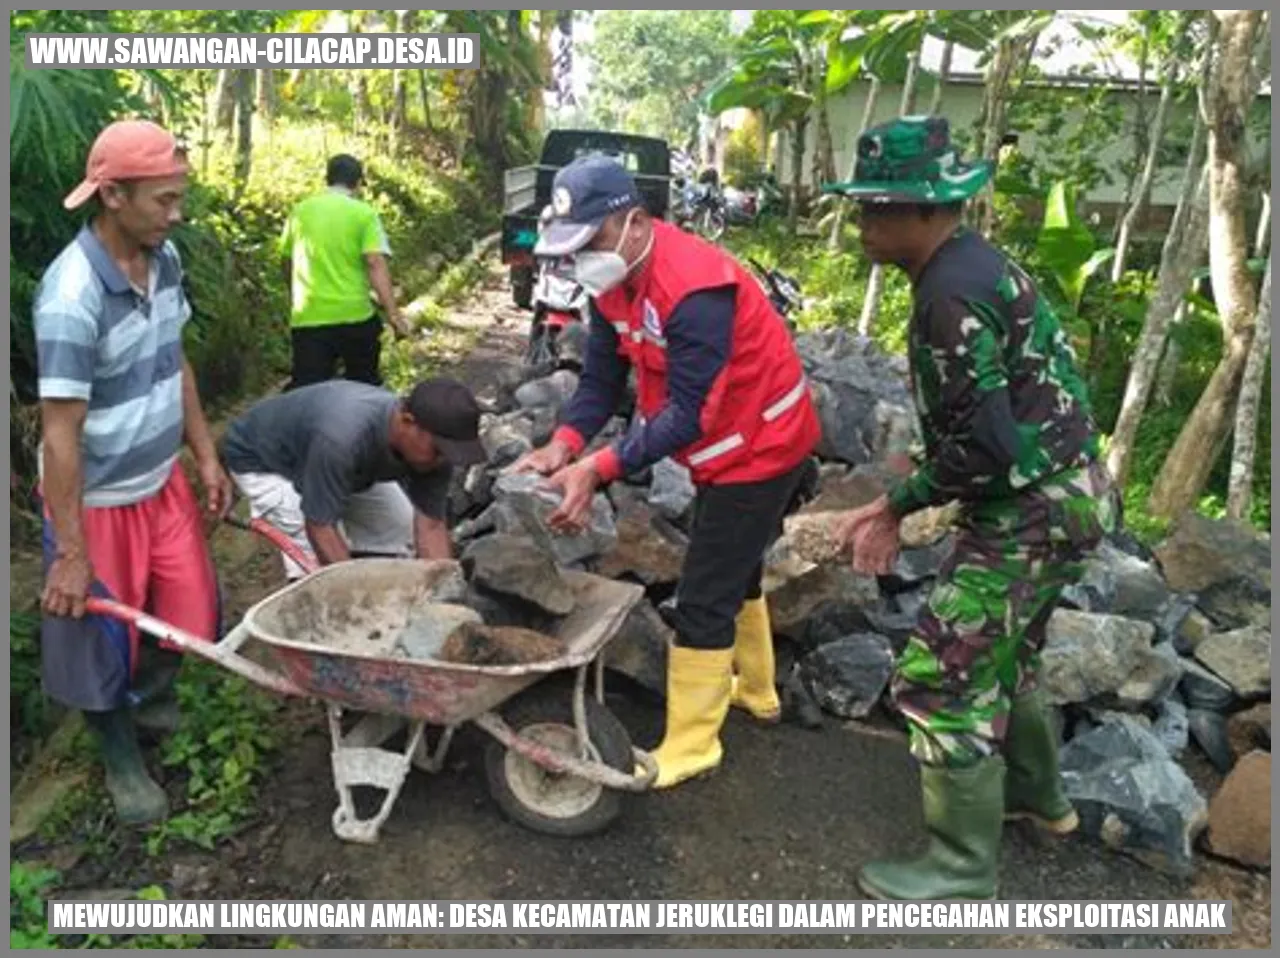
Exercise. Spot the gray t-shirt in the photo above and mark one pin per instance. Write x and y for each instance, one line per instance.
(331, 441)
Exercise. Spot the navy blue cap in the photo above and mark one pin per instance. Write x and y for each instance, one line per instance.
(583, 194)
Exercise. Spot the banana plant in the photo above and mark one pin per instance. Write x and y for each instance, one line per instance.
(1066, 247)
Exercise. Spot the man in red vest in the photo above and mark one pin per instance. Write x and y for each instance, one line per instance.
(721, 390)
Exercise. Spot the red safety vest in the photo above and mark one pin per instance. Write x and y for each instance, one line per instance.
(759, 420)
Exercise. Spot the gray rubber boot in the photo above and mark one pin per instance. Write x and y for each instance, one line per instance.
(138, 799)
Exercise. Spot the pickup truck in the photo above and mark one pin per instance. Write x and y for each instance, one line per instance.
(527, 190)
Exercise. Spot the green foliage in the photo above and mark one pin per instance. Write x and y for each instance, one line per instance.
(29, 889)
(743, 159)
(28, 709)
(226, 735)
(649, 67)
(1066, 247)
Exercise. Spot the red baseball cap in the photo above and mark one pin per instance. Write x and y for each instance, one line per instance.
(128, 150)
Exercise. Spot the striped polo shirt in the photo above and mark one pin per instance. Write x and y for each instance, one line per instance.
(100, 339)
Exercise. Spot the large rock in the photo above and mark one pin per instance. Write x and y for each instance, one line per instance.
(1236, 604)
(1250, 729)
(833, 620)
(642, 552)
(513, 565)
(639, 650)
(1192, 630)
(1140, 592)
(1132, 796)
(1242, 658)
(848, 676)
(1240, 814)
(1152, 679)
(426, 633)
(551, 391)
(792, 598)
(916, 566)
(1088, 655)
(1201, 553)
(506, 438)
(1172, 726)
(671, 490)
(1203, 690)
(927, 526)
(522, 507)
(1209, 731)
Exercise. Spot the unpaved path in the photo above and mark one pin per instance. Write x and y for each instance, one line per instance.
(790, 815)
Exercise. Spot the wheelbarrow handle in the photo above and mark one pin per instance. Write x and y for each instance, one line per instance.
(225, 653)
(277, 538)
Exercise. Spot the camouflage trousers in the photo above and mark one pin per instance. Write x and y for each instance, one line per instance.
(978, 639)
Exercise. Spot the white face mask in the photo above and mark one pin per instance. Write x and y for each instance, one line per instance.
(598, 271)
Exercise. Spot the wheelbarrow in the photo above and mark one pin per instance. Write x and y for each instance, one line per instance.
(560, 764)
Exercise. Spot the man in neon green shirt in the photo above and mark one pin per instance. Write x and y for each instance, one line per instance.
(335, 252)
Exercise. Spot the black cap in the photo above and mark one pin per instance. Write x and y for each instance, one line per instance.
(583, 195)
(448, 410)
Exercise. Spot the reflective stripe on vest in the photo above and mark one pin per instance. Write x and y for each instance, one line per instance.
(734, 440)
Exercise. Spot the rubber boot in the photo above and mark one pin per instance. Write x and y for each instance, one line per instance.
(753, 684)
(138, 799)
(963, 811)
(698, 687)
(157, 701)
(1033, 787)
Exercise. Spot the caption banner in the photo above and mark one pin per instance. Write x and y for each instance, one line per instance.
(285, 51)
(637, 917)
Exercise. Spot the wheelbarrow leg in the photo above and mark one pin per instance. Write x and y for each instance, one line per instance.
(371, 766)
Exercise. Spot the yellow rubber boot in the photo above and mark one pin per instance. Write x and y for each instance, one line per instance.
(753, 685)
(698, 685)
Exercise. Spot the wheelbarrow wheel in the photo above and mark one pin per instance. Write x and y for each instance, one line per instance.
(544, 801)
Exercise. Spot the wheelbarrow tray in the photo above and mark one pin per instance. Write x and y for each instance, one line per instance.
(332, 633)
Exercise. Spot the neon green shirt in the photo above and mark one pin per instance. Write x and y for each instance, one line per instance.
(327, 236)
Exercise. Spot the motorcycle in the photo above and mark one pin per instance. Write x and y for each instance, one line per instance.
(559, 304)
(747, 207)
(783, 290)
(700, 207)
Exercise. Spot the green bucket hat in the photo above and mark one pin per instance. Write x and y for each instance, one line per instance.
(911, 160)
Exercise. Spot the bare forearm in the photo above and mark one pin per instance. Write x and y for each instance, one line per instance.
(195, 426)
(432, 537)
(62, 486)
(328, 544)
(380, 280)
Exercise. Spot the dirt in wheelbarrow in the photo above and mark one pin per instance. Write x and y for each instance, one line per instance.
(791, 814)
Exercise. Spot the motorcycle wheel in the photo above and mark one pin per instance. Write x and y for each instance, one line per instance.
(711, 224)
(541, 351)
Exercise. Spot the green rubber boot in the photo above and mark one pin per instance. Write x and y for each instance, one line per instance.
(157, 711)
(963, 809)
(138, 799)
(1033, 787)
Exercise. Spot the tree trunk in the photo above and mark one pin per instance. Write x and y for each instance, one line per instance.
(1178, 259)
(267, 95)
(1185, 471)
(944, 74)
(868, 111)
(425, 94)
(799, 130)
(225, 101)
(399, 83)
(1240, 485)
(1262, 238)
(1141, 142)
(823, 162)
(1010, 54)
(875, 283)
(1154, 141)
(244, 125)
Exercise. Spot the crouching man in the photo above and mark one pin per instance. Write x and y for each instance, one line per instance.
(346, 469)
(1008, 432)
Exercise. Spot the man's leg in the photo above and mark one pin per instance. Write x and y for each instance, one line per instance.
(315, 355)
(89, 664)
(953, 683)
(733, 526)
(362, 351)
(379, 521)
(273, 499)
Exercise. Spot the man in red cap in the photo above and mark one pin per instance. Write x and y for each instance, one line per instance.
(720, 389)
(118, 398)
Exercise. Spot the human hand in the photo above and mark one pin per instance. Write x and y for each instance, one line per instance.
(545, 460)
(577, 485)
(67, 585)
(218, 489)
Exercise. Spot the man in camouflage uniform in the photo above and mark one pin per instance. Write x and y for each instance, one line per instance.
(1008, 432)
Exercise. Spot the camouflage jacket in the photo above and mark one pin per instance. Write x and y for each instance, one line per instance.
(1001, 403)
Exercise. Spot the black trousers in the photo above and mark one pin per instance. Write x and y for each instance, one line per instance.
(318, 351)
(733, 526)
